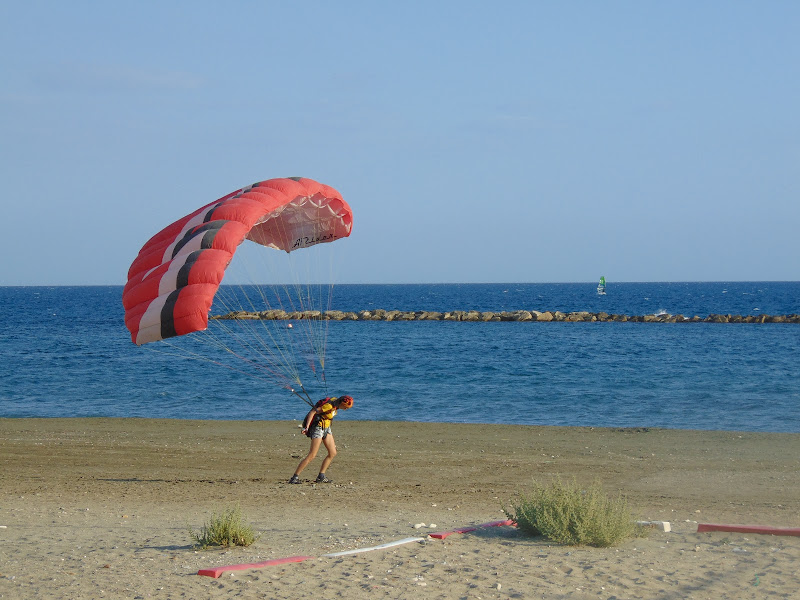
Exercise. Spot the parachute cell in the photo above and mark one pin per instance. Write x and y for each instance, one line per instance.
(172, 282)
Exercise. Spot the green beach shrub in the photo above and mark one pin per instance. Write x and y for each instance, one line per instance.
(225, 529)
(568, 514)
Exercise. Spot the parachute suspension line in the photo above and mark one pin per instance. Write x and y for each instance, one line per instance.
(275, 346)
(242, 333)
(277, 373)
(288, 341)
(326, 300)
(282, 347)
(182, 352)
(308, 297)
(311, 324)
(213, 339)
(279, 334)
(280, 351)
(329, 307)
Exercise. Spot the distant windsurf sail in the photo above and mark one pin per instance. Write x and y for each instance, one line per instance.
(601, 287)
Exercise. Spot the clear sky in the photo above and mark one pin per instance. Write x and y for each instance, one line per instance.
(476, 141)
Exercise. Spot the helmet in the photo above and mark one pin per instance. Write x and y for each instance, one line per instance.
(346, 401)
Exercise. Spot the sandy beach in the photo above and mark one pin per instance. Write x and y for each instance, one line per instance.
(101, 508)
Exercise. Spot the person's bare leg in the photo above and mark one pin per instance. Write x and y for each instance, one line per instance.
(330, 446)
(312, 453)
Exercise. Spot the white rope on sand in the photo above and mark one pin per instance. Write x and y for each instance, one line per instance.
(381, 547)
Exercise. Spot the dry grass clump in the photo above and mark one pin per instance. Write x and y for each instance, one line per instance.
(225, 529)
(567, 514)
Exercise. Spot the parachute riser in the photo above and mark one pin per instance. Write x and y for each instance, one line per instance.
(305, 397)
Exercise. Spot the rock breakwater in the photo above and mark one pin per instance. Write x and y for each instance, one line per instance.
(488, 316)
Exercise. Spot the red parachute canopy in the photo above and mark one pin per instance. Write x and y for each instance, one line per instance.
(171, 284)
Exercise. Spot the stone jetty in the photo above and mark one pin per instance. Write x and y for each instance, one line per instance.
(516, 315)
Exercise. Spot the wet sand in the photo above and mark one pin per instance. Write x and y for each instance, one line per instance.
(101, 508)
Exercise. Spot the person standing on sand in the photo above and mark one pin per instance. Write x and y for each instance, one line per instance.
(317, 426)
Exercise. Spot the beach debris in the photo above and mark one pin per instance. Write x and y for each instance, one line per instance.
(662, 525)
(760, 529)
(218, 571)
(419, 525)
(443, 534)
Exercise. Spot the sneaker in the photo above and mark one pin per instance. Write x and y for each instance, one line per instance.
(322, 479)
(294, 479)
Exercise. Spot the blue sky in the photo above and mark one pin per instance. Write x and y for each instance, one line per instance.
(475, 141)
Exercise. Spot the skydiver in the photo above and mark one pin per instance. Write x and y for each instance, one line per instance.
(317, 426)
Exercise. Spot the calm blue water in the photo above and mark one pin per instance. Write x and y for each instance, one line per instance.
(64, 352)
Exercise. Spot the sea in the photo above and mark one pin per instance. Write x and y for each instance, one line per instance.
(65, 352)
